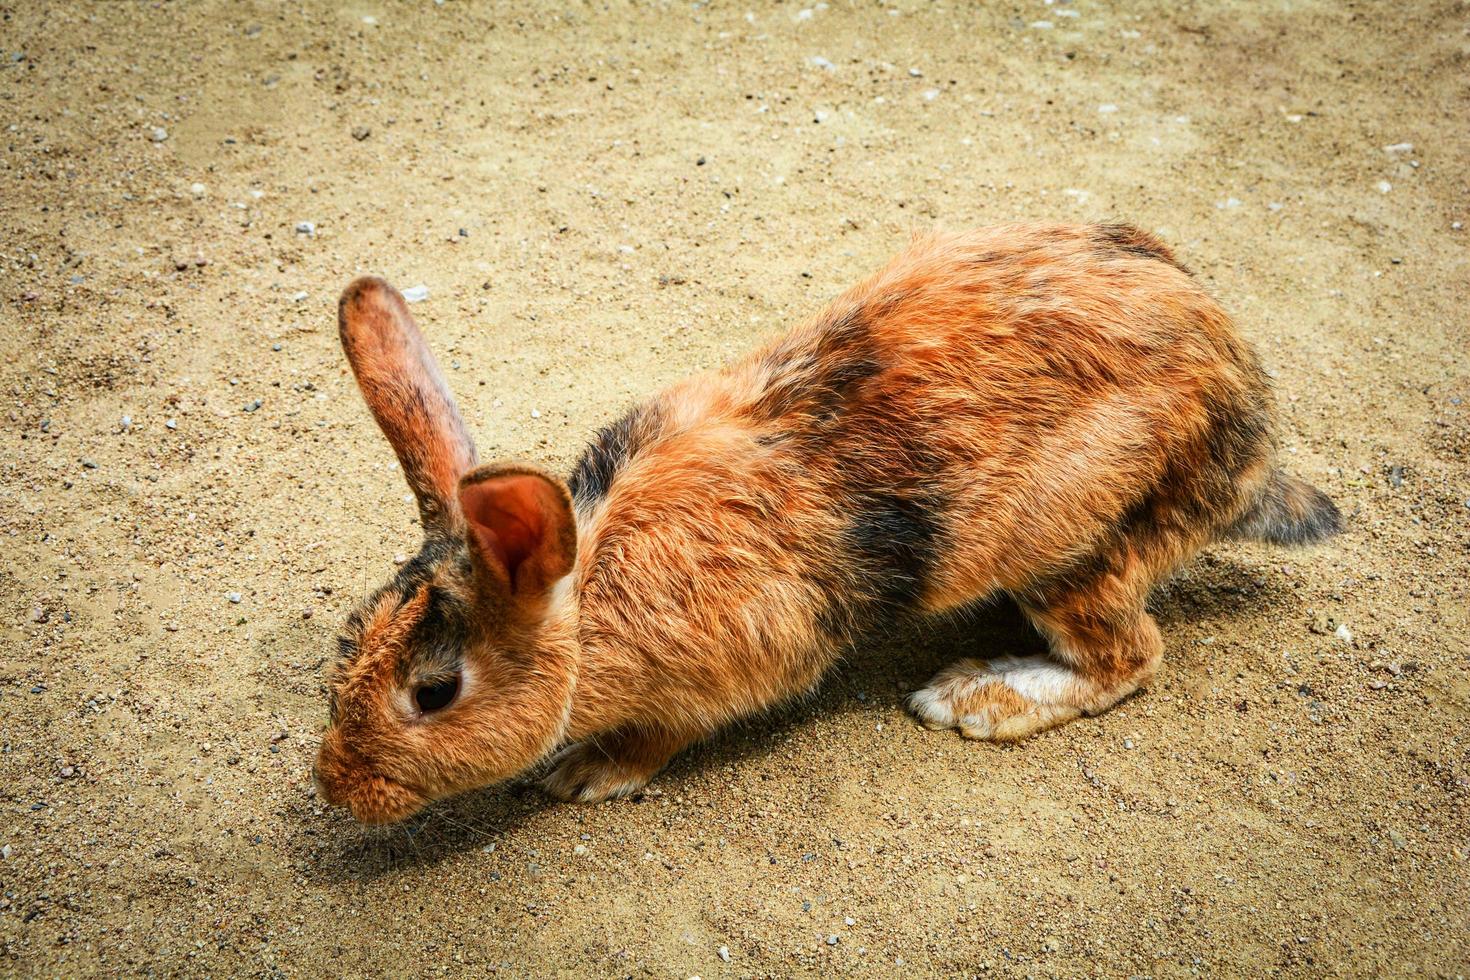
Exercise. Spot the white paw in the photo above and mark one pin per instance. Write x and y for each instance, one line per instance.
(983, 703)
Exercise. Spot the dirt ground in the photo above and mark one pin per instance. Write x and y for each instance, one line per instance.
(602, 199)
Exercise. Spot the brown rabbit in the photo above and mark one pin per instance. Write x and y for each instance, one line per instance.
(1059, 413)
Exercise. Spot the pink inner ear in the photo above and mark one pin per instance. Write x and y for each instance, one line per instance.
(505, 516)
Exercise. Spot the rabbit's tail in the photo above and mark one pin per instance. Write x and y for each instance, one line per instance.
(1289, 510)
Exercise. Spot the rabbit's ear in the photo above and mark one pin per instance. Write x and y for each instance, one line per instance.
(521, 530)
(407, 395)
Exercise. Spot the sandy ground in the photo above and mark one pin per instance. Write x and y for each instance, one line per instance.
(601, 201)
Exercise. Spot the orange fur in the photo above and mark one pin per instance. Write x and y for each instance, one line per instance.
(1055, 412)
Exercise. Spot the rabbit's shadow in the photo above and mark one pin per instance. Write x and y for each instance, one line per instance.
(876, 674)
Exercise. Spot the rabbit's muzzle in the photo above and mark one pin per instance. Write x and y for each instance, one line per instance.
(344, 777)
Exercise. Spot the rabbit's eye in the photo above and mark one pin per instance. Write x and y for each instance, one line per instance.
(432, 697)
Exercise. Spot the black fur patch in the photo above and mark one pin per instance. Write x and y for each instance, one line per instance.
(610, 449)
(440, 638)
(1126, 238)
(406, 582)
(894, 535)
(892, 540)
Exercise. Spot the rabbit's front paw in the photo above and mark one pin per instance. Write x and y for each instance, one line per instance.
(983, 701)
(587, 773)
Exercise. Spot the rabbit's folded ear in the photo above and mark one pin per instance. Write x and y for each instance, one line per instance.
(407, 395)
(521, 530)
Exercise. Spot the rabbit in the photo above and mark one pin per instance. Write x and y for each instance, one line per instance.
(1060, 414)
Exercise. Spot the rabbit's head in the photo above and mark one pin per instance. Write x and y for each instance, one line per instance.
(459, 672)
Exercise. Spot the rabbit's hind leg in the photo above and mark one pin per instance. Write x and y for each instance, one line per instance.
(1104, 646)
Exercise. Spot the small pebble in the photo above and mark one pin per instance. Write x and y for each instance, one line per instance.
(915, 73)
(234, 597)
(399, 559)
(197, 189)
(126, 422)
(1107, 109)
(171, 423)
(1384, 187)
(580, 849)
(361, 133)
(5, 853)
(1343, 633)
(723, 951)
(89, 464)
(306, 228)
(275, 347)
(817, 61)
(1127, 743)
(158, 134)
(416, 294)
(253, 406)
(832, 940)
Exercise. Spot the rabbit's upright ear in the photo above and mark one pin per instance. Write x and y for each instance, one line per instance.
(521, 530)
(407, 395)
